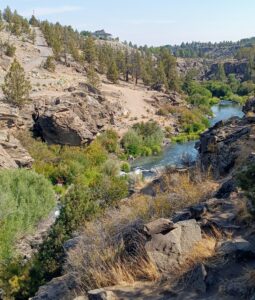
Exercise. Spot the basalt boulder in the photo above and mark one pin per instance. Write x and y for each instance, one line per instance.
(221, 145)
(74, 119)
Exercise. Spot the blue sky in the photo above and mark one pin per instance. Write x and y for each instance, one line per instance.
(151, 22)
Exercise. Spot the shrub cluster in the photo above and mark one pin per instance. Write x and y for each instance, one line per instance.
(143, 139)
(26, 198)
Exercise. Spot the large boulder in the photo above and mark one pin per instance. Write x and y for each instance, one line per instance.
(168, 249)
(74, 119)
(221, 145)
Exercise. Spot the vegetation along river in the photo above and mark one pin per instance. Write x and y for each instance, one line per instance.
(173, 154)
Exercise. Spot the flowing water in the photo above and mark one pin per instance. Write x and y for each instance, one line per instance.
(173, 154)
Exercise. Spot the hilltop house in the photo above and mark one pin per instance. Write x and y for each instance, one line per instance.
(102, 35)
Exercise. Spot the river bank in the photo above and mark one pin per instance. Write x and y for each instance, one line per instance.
(175, 153)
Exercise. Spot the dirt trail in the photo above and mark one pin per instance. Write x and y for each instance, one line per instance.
(43, 49)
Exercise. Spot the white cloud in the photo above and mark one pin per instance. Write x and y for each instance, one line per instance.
(45, 11)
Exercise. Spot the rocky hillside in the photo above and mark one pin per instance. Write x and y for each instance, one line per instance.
(200, 251)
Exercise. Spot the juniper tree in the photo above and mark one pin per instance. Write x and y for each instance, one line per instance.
(90, 50)
(93, 78)
(7, 14)
(33, 21)
(112, 73)
(16, 87)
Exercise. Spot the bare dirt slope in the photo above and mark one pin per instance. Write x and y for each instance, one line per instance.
(138, 102)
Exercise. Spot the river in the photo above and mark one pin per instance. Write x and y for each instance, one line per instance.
(172, 155)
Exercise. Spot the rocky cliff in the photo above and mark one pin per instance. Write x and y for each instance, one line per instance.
(227, 144)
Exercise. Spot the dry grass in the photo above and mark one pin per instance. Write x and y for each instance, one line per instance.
(109, 266)
(102, 259)
(203, 250)
(244, 215)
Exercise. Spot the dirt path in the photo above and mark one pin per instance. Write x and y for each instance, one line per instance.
(43, 49)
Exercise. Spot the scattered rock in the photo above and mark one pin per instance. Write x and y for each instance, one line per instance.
(60, 288)
(101, 294)
(162, 226)
(168, 250)
(195, 279)
(236, 246)
(226, 189)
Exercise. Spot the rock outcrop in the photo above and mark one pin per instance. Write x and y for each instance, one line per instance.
(221, 145)
(167, 248)
(237, 67)
(74, 119)
(12, 153)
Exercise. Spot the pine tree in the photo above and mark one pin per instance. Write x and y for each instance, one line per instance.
(34, 22)
(1, 21)
(16, 87)
(90, 50)
(7, 14)
(220, 73)
(160, 76)
(112, 73)
(147, 70)
(93, 78)
(169, 62)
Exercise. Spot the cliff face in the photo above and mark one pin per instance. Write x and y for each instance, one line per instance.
(225, 145)
(239, 68)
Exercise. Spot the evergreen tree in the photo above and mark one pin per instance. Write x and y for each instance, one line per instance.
(147, 70)
(127, 66)
(137, 66)
(169, 62)
(93, 78)
(7, 14)
(16, 87)
(220, 73)
(112, 72)
(90, 50)
(34, 22)
(160, 76)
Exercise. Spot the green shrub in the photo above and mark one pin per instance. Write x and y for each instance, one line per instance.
(219, 89)
(111, 168)
(109, 140)
(156, 149)
(142, 137)
(26, 198)
(146, 151)
(246, 88)
(125, 167)
(10, 50)
(50, 64)
(132, 142)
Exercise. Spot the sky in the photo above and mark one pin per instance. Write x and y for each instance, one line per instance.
(151, 22)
